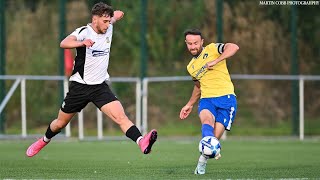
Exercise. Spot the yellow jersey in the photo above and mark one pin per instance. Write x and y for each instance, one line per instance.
(215, 82)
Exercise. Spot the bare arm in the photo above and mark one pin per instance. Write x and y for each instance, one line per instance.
(71, 42)
(195, 94)
(186, 110)
(229, 50)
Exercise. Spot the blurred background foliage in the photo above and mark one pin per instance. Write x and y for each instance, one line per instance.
(262, 32)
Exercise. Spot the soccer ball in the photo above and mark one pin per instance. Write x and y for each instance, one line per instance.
(209, 146)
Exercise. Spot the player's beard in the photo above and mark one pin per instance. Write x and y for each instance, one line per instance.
(198, 52)
(100, 30)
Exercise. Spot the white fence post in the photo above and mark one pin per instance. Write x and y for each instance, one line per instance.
(65, 91)
(138, 104)
(80, 125)
(145, 106)
(301, 108)
(23, 109)
(99, 124)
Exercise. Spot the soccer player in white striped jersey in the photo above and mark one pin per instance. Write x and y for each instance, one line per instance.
(88, 80)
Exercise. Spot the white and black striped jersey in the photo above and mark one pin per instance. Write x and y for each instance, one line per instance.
(91, 63)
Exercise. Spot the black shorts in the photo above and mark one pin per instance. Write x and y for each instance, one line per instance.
(80, 95)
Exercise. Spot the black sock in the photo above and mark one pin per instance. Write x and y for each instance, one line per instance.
(49, 134)
(133, 133)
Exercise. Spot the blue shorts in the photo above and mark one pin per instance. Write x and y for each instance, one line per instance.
(224, 108)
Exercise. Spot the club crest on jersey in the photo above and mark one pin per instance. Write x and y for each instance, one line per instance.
(107, 40)
(205, 56)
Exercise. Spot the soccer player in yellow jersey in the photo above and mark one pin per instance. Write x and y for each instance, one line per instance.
(212, 84)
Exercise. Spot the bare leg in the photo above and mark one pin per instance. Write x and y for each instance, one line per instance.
(62, 120)
(115, 111)
(218, 130)
(206, 117)
(53, 129)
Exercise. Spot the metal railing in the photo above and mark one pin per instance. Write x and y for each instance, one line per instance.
(20, 79)
(141, 94)
(300, 78)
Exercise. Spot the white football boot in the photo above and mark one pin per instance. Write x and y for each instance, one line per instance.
(202, 163)
(201, 166)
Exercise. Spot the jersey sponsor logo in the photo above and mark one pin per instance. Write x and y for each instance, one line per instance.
(201, 72)
(96, 53)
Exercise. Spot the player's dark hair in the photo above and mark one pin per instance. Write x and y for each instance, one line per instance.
(102, 9)
(193, 32)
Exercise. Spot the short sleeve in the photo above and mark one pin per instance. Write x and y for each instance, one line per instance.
(80, 33)
(220, 47)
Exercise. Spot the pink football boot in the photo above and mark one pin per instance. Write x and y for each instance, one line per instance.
(36, 147)
(147, 141)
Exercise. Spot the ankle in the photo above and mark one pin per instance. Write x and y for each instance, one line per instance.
(45, 139)
(138, 140)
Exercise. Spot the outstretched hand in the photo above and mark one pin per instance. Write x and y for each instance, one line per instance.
(185, 111)
(117, 15)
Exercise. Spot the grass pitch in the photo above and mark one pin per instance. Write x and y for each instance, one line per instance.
(241, 159)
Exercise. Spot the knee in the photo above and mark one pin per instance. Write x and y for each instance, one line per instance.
(207, 121)
(206, 117)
